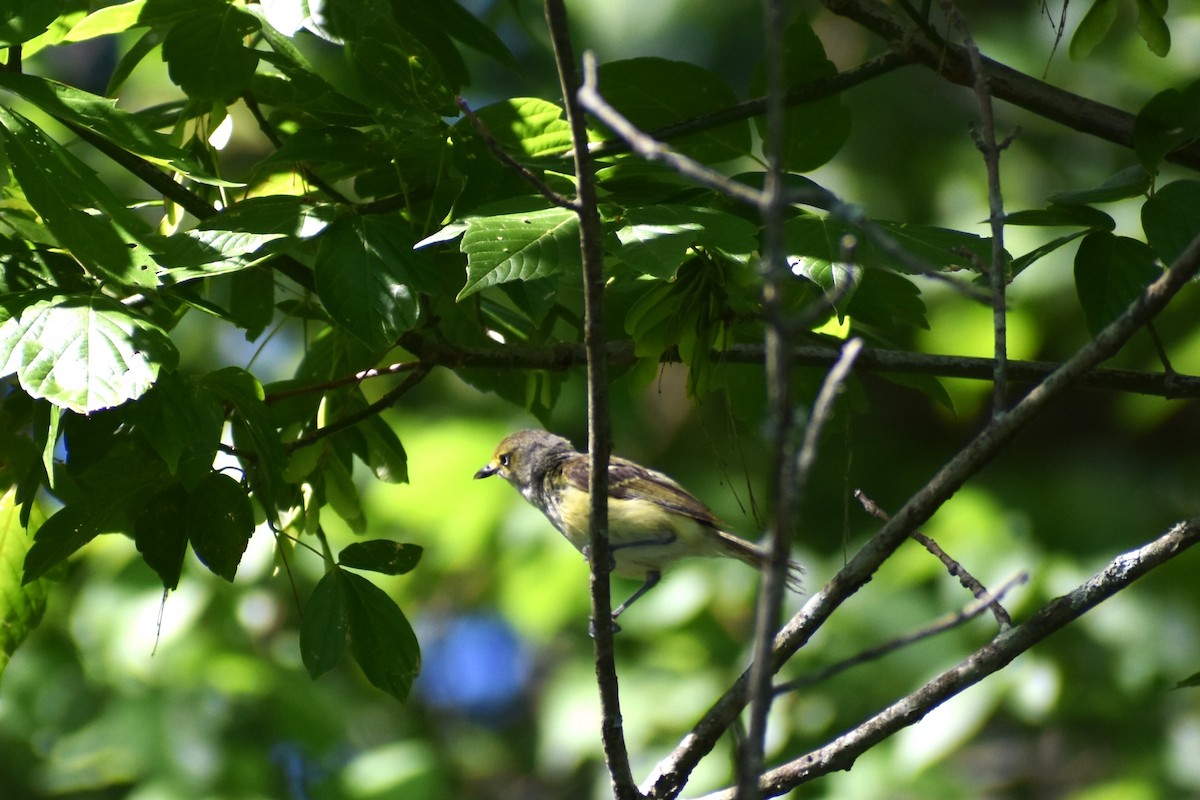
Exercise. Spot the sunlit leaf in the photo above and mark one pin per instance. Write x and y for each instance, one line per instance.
(83, 353)
(21, 604)
(519, 247)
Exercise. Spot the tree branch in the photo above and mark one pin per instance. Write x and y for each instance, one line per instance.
(952, 63)
(988, 146)
(787, 478)
(841, 753)
(559, 357)
(947, 622)
(591, 238)
(672, 772)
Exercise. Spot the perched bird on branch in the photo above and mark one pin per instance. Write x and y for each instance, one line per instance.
(652, 520)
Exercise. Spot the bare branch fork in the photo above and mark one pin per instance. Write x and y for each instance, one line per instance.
(956, 569)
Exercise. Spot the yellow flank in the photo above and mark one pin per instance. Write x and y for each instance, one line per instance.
(644, 536)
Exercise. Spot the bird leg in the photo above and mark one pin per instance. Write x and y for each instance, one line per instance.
(651, 580)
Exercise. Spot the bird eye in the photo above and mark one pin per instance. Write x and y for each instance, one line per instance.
(505, 458)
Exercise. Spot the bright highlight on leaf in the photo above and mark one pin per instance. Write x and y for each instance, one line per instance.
(83, 353)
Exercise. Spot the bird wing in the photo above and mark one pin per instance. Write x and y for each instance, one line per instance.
(630, 481)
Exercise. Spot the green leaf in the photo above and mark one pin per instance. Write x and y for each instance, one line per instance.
(21, 604)
(401, 73)
(1171, 218)
(366, 276)
(1110, 273)
(381, 639)
(526, 125)
(1152, 27)
(1189, 682)
(838, 281)
(106, 21)
(98, 114)
(939, 248)
(83, 353)
(1092, 28)
(206, 53)
(888, 302)
(252, 420)
(1169, 120)
(160, 533)
(342, 494)
(381, 555)
(1020, 263)
(219, 523)
(813, 132)
(252, 300)
(1129, 182)
(1065, 216)
(325, 626)
(654, 92)
(459, 23)
(655, 239)
(519, 247)
(66, 193)
(654, 319)
(385, 453)
(182, 423)
(22, 20)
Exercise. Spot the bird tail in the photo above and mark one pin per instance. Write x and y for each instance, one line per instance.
(756, 557)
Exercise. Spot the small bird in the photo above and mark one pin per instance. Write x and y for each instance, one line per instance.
(652, 520)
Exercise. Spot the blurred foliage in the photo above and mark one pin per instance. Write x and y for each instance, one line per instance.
(216, 214)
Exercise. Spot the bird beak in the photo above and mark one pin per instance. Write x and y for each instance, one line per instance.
(485, 472)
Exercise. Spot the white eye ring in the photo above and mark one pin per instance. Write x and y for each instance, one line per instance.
(504, 459)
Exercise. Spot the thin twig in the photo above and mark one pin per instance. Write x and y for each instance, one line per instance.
(1116, 576)
(672, 772)
(370, 410)
(988, 146)
(344, 380)
(652, 150)
(591, 233)
(954, 567)
(938, 626)
(950, 62)
(502, 155)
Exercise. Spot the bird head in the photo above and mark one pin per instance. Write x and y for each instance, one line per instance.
(522, 458)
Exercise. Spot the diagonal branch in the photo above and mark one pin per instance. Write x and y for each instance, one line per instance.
(952, 63)
(841, 753)
(672, 772)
